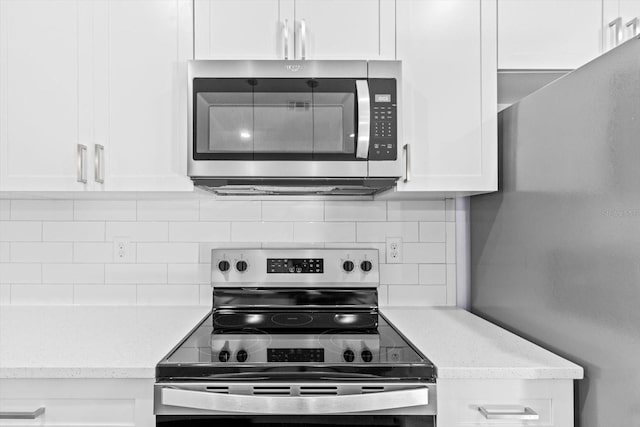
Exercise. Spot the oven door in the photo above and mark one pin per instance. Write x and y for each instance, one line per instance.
(279, 127)
(295, 404)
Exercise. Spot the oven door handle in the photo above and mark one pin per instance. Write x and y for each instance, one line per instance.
(364, 119)
(298, 405)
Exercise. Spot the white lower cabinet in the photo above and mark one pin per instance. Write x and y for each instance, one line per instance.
(505, 403)
(79, 402)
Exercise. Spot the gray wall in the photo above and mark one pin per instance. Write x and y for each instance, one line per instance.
(555, 255)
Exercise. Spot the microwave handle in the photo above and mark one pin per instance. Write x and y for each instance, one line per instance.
(364, 119)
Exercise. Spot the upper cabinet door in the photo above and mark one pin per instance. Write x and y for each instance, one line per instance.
(140, 93)
(535, 34)
(620, 21)
(448, 95)
(242, 29)
(345, 29)
(41, 56)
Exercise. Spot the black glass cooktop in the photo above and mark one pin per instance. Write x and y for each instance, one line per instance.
(369, 350)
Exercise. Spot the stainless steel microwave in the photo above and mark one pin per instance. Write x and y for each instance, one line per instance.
(294, 127)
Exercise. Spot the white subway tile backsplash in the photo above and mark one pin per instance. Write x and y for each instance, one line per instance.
(433, 232)
(42, 294)
(293, 211)
(20, 273)
(138, 231)
(424, 253)
(355, 211)
(324, 231)
(205, 231)
(262, 231)
(379, 231)
(167, 252)
(398, 274)
(104, 295)
(451, 242)
(5, 252)
(194, 274)
(433, 274)
(75, 231)
(105, 210)
(5, 294)
(214, 210)
(5, 210)
(41, 252)
(73, 273)
(416, 210)
(168, 210)
(95, 252)
(168, 294)
(423, 296)
(45, 210)
(450, 210)
(62, 251)
(135, 273)
(20, 231)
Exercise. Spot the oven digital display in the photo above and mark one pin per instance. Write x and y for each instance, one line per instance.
(295, 265)
(295, 355)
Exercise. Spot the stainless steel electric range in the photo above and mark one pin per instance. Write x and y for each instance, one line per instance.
(295, 338)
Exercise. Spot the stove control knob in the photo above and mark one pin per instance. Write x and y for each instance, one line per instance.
(348, 355)
(347, 266)
(224, 356)
(242, 356)
(366, 355)
(366, 266)
(224, 265)
(241, 266)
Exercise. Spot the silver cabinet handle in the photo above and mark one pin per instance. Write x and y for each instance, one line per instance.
(21, 415)
(634, 24)
(82, 157)
(98, 160)
(285, 38)
(407, 162)
(298, 405)
(527, 414)
(364, 119)
(617, 25)
(303, 39)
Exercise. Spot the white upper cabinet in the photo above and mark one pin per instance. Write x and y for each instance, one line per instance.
(94, 91)
(140, 55)
(40, 95)
(620, 21)
(449, 96)
(240, 29)
(545, 34)
(294, 29)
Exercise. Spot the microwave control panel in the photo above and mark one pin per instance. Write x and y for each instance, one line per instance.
(383, 141)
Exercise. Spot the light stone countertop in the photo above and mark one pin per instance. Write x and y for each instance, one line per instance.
(127, 342)
(463, 345)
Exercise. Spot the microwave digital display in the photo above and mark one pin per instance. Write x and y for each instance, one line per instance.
(383, 97)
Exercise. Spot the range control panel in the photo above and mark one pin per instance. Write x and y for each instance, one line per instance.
(295, 265)
(383, 143)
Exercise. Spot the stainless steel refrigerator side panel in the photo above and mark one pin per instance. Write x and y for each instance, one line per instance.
(555, 254)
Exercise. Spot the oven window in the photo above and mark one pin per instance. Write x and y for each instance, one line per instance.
(274, 119)
(296, 421)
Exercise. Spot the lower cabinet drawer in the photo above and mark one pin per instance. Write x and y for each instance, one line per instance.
(505, 403)
(67, 412)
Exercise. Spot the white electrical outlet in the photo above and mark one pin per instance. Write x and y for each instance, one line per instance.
(122, 251)
(394, 250)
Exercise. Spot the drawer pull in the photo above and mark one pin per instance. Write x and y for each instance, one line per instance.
(21, 415)
(526, 413)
